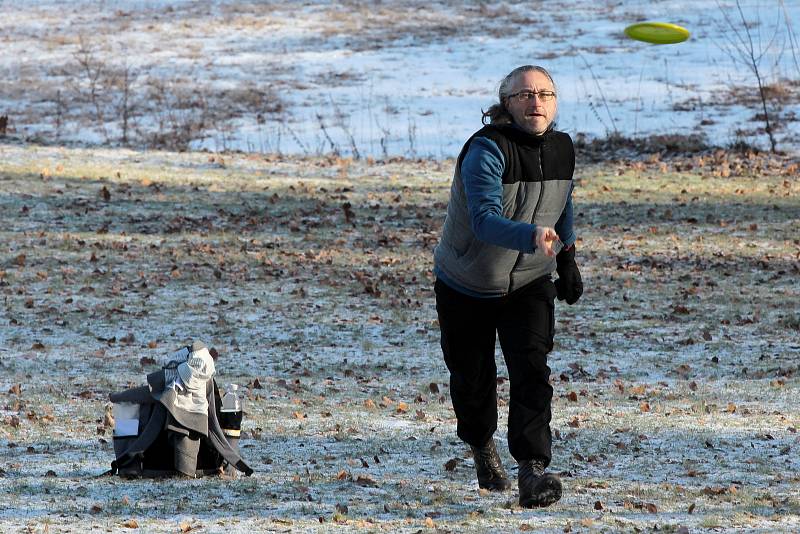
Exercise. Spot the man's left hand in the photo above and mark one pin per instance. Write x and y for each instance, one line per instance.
(569, 285)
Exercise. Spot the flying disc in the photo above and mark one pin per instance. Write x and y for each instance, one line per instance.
(657, 32)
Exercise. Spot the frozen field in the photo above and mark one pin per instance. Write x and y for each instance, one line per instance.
(392, 78)
(676, 376)
(271, 177)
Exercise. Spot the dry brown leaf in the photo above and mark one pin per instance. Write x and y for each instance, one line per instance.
(638, 390)
(574, 423)
(108, 417)
(186, 527)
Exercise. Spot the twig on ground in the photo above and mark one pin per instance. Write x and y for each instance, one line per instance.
(792, 37)
(296, 138)
(342, 124)
(324, 129)
(602, 95)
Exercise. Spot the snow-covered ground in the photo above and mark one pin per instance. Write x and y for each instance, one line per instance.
(392, 78)
(676, 375)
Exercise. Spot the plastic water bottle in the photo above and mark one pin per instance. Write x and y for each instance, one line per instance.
(230, 415)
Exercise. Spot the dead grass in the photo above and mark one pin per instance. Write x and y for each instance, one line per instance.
(682, 355)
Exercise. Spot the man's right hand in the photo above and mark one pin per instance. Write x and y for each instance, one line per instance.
(544, 239)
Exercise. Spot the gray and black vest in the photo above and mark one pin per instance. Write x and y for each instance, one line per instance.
(537, 178)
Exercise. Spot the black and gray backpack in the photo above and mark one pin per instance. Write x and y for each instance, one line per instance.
(155, 436)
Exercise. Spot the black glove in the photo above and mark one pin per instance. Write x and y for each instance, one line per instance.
(569, 285)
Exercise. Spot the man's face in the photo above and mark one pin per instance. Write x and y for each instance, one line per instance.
(534, 115)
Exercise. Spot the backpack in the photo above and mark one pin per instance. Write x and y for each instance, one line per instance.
(153, 436)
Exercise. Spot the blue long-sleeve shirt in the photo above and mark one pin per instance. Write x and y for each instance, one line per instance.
(481, 174)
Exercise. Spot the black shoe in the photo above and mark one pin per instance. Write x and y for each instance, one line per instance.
(491, 475)
(537, 488)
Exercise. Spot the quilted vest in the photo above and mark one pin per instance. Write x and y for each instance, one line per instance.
(536, 181)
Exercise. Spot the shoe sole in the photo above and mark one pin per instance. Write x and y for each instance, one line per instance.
(494, 487)
(547, 492)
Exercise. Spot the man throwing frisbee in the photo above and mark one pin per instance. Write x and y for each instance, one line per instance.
(509, 225)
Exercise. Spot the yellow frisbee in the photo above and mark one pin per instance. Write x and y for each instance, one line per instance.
(657, 32)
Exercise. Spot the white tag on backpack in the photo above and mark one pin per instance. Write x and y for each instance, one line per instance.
(126, 419)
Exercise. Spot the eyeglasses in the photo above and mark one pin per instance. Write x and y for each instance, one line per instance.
(524, 96)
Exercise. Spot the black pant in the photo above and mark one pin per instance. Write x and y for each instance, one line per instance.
(525, 324)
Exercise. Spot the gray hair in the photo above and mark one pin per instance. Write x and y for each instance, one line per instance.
(498, 113)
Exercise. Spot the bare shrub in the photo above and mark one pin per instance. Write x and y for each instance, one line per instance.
(59, 114)
(107, 88)
(748, 50)
(90, 87)
(180, 114)
(121, 80)
(602, 98)
(250, 98)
